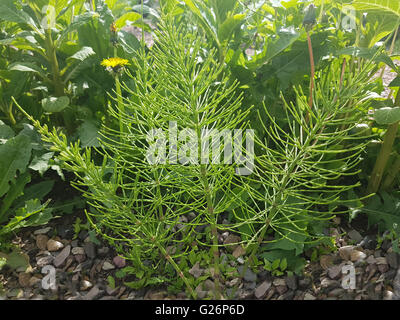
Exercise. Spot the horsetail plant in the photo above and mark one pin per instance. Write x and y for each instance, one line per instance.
(153, 207)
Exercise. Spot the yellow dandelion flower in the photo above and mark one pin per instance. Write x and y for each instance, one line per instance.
(114, 64)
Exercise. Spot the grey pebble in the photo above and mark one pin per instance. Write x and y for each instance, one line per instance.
(94, 293)
(90, 250)
(62, 256)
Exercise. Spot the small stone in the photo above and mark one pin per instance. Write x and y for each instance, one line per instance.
(108, 298)
(85, 285)
(196, 271)
(230, 241)
(326, 283)
(355, 236)
(279, 282)
(240, 260)
(368, 243)
(335, 272)
(53, 245)
(356, 255)
(392, 260)
(388, 295)
(325, 261)
(291, 282)
(119, 262)
(250, 276)
(74, 243)
(233, 282)
(78, 250)
(23, 279)
(209, 285)
(336, 292)
(107, 266)
(345, 252)
(239, 251)
(201, 294)
(80, 258)
(62, 256)
(90, 250)
(41, 241)
(94, 293)
(34, 281)
(371, 260)
(396, 285)
(390, 275)
(309, 296)
(281, 289)
(383, 268)
(43, 261)
(304, 283)
(249, 285)
(42, 231)
(381, 260)
(270, 293)
(287, 296)
(103, 251)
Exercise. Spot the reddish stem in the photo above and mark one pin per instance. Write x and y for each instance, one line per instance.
(312, 63)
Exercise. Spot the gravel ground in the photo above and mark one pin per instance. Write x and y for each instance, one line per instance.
(82, 268)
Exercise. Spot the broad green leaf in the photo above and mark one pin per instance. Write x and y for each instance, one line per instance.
(5, 132)
(387, 115)
(9, 12)
(129, 42)
(41, 163)
(392, 6)
(273, 46)
(55, 104)
(17, 260)
(26, 67)
(14, 156)
(146, 10)
(37, 191)
(83, 54)
(130, 16)
(88, 133)
(16, 190)
(228, 27)
(368, 53)
(395, 82)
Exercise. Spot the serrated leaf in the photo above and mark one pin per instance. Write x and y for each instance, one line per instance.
(41, 163)
(392, 6)
(26, 67)
(9, 12)
(15, 191)
(130, 16)
(14, 156)
(5, 132)
(88, 133)
(83, 54)
(55, 104)
(385, 116)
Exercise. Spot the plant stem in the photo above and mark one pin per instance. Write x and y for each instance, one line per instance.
(384, 154)
(210, 209)
(312, 63)
(177, 269)
(392, 174)
(121, 108)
